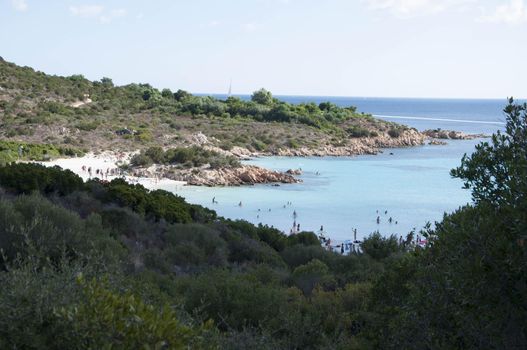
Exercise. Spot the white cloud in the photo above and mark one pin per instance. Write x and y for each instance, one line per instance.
(97, 12)
(108, 17)
(87, 11)
(19, 5)
(414, 8)
(214, 23)
(250, 27)
(514, 12)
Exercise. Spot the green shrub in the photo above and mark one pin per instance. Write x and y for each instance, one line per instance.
(395, 133)
(357, 131)
(28, 177)
(105, 319)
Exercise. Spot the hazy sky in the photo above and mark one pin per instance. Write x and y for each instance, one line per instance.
(396, 48)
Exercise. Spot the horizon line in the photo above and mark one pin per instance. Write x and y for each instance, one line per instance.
(367, 97)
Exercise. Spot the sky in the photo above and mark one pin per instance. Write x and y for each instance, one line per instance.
(377, 48)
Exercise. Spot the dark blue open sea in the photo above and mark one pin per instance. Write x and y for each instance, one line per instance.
(413, 184)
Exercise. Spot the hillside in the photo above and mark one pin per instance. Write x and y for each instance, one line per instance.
(100, 265)
(77, 114)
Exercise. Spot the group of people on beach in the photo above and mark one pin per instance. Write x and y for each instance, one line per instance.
(105, 174)
(100, 173)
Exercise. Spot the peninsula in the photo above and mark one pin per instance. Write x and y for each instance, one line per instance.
(201, 138)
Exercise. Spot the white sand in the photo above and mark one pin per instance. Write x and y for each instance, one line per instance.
(105, 161)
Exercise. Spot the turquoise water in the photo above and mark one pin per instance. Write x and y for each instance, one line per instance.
(413, 184)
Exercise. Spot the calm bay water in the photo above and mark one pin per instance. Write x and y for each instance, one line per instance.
(413, 185)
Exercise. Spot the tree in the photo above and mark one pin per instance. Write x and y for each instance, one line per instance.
(181, 94)
(107, 82)
(379, 247)
(167, 93)
(497, 172)
(468, 289)
(262, 97)
(308, 276)
(105, 319)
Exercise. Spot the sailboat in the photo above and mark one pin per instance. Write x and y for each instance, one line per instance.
(229, 94)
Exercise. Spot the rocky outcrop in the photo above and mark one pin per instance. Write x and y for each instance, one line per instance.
(294, 172)
(451, 135)
(435, 142)
(358, 146)
(243, 175)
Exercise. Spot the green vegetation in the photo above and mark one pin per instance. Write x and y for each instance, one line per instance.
(186, 157)
(114, 265)
(56, 110)
(11, 151)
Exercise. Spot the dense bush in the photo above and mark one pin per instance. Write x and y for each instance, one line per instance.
(357, 131)
(193, 156)
(163, 273)
(27, 178)
(395, 133)
(11, 151)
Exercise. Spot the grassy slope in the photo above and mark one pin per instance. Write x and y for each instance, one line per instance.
(35, 107)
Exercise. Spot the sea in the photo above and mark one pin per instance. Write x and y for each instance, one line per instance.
(411, 186)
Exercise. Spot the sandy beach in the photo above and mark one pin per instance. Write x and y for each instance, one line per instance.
(108, 161)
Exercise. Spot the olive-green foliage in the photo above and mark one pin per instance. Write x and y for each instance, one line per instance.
(33, 221)
(467, 290)
(193, 156)
(26, 178)
(55, 93)
(394, 132)
(28, 297)
(380, 247)
(104, 319)
(497, 171)
(262, 97)
(232, 300)
(229, 271)
(261, 289)
(157, 204)
(314, 273)
(357, 131)
(11, 151)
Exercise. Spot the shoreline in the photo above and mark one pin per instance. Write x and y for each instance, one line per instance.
(108, 162)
